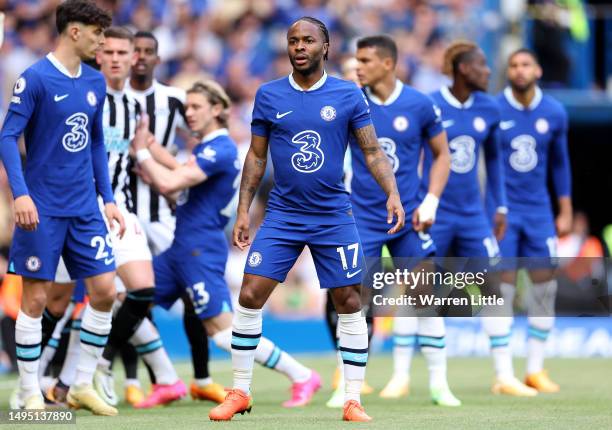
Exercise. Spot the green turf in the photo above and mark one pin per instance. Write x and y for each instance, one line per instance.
(584, 402)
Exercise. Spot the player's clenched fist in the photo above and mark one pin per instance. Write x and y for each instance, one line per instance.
(26, 215)
(241, 231)
(395, 210)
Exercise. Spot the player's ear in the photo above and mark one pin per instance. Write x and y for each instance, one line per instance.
(74, 30)
(217, 109)
(134, 58)
(388, 63)
(325, 50)
(538, 71)
(99, 57)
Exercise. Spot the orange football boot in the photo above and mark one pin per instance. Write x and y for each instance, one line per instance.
(236, 402)
(353, 411)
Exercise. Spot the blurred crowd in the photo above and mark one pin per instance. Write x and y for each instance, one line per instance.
(242, 43)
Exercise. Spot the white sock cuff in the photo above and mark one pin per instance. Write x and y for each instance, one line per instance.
(26, 322)
(97, 321)
(354, 323)
(223, 339)
(431, 327)
(404, 326)
(540, 323)
(248, 321)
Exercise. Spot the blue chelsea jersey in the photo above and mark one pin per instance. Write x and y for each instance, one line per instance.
(203, 209)
(308, 132)
(64, 117)
(404, 124)
(534, 140)
(469, 126)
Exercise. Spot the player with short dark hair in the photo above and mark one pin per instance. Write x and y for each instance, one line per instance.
(58, 104)
(406, 122)
(305, 119)
(533, 131)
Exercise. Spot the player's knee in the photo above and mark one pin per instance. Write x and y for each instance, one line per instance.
(347, 300)
(103, 298)
(57, 307)
(249, 297)
(34, 302)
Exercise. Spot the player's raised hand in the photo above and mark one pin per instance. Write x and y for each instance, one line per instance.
(113, 214)
(26, 214)
(395, 210)
(500, 224)
(240, 234)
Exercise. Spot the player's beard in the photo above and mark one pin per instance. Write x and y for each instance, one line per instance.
(312, 66)
(522, 88)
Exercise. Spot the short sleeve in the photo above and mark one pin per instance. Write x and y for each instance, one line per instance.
(212, 159)
(26, 94)
(361, 111)
(260, 126)
(432, 119)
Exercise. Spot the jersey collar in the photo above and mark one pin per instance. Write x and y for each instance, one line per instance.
(537, 98)
(451, 100)
(63, 70)
(115, 93)
(392, 97)
(146, 92)
(214, 134)
(316, 85)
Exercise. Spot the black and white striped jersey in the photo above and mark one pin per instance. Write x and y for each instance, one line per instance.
(164, 106)
(120, 118)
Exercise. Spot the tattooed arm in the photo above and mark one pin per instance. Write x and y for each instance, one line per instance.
(380, 168)
(252, 172)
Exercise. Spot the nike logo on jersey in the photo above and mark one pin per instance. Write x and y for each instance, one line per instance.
(109, 261)
(280, 115)
(350, 275)
(448, 123)
(506, 125)
(60, 98)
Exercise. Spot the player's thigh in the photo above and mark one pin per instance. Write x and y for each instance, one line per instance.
(276, 247)
(203, 279)
(337, 254)
(88, 250)
(538, 248)
(442, 232)
(35, 254)
(133, 248)
(539, 237)
(410, 247)
(101, 290)
(475, 239)
(167, 287)
(509, 245)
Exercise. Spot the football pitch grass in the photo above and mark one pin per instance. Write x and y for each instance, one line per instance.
(585, 401)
